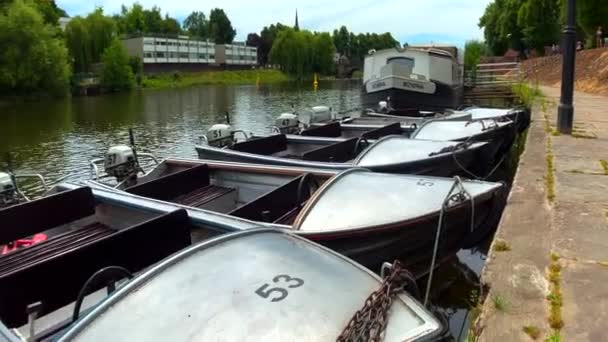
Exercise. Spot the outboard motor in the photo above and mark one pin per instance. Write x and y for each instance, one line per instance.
(288, 123)
(383, 107)
(220, 135)
(320, 114)
(8, 190)
(121, 162)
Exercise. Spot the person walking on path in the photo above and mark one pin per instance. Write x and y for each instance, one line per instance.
(599, 35)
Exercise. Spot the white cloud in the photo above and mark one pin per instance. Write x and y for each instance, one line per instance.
(454, 20)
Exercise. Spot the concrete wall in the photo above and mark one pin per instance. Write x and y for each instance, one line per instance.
(134, 46)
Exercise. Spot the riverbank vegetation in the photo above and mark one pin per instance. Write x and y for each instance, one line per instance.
(526, 25)
(37, 56)
(227, 77)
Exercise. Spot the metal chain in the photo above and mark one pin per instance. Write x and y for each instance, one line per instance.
(369, 322)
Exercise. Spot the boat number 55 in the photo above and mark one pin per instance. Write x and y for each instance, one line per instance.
(279, 292)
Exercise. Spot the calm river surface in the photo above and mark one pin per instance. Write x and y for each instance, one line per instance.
(59, 137)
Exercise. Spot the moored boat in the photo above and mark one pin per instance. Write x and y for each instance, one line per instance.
(84, 232)
(413, 79)
(370, 217)
(277, 286)
(406, 156)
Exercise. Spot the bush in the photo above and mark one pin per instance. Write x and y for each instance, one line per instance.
(32, 56)
(117, 74)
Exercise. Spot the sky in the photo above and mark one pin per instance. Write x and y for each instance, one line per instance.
(411, 21)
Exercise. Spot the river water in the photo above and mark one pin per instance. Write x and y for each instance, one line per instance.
(59, 137)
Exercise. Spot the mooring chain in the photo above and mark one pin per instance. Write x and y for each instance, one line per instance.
(369, 322)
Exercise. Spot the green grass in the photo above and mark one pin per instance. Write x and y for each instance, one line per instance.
(532, 331)
(604, 164)
(555, 296)
(226, 77)
(555, 337)
(529, 96)
(500, 303)
(501, 246)
(550, 178)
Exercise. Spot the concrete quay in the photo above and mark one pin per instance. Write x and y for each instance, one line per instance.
(547, 269)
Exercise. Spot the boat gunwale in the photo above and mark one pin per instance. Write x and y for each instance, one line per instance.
(430, 322)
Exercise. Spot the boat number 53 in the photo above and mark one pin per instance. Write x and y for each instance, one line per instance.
(279, 292)
(423, 182)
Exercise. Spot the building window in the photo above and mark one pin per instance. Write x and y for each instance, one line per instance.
(202, 56)
(183, 55)
(160, 54)
(148, 55)
(211, 56)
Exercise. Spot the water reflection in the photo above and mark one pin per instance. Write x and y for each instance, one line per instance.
(59, 136)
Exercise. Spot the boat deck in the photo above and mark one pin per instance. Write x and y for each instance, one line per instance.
(55, 246)
(200, 196)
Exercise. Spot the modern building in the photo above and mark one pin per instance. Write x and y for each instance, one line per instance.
(236, 54)
(164, 54)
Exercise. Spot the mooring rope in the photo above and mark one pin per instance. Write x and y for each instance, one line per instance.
(462, 193)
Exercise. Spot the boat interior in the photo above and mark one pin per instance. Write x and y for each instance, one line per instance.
(262, 196)
(336, 130)
(280, 147)
(82, 235)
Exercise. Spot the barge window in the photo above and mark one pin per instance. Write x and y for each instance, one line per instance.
(407, 62)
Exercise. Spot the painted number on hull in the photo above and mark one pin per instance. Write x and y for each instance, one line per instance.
(279, 292)
(423, 182)
(216, 134)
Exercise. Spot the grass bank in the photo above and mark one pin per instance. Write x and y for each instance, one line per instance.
(224, 77)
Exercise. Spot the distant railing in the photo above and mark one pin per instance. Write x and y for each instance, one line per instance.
(493, 74)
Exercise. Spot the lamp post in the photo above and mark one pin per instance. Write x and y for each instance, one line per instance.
(565, 111)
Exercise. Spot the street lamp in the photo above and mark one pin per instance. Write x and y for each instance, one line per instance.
(565, 111)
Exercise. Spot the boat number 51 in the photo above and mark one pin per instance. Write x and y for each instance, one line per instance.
(279, 292)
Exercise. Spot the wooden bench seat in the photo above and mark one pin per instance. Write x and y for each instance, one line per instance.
(201, 196)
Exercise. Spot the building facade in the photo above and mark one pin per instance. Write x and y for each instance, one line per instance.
(163, 54)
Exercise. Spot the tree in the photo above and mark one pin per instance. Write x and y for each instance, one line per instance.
(268, 36)
(197, 25)
(538, 22)
(79, 43)
(49, 10)
(87, 38)
(341, 39)
(220, 28)
(170, 25)
(253, 39)
(135, 21)
(301, 53)
(32, 57)
(116, 74)
(590, 15)
(473, 51)
(153, 21)
(501, 29)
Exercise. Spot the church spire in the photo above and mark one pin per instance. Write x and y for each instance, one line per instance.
(297, 26)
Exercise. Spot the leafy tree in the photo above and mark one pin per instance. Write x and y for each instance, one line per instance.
(102, 31)
(501, 29)
(268, 36)
(116, 74)
(170, 25)
(341, 39)
(473, 51)
(300, 53)
(137, 68)
(590, 15)
(79, 43)
(135, 20)
(49, 10)
(220, 28)
(153, 21)
(537, 20)
(253, 39)
(87, 38)
(197, 25)
(32, 57)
